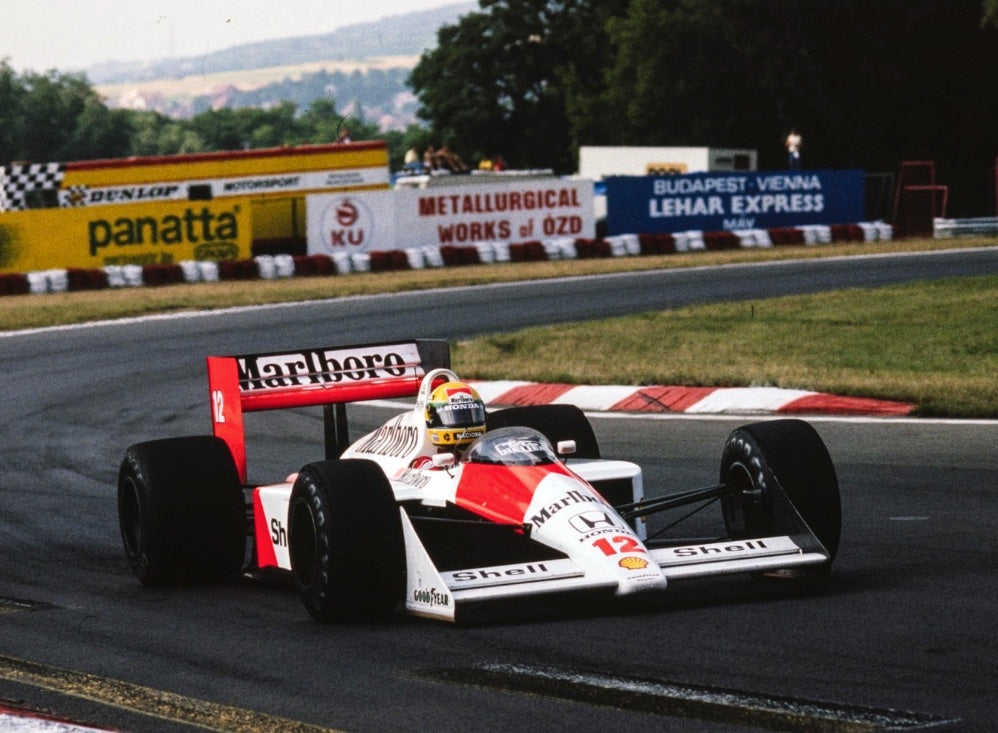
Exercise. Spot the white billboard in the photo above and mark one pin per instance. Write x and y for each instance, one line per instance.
(358, 221)
(512, 211)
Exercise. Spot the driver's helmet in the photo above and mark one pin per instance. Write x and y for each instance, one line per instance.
(455, 415)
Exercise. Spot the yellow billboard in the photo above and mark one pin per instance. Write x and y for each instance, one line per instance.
(166, 209)
(142, 234)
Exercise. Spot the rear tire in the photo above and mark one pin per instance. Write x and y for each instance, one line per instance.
(345, 541)
(181, 511)
(556, 422)
(795, 454)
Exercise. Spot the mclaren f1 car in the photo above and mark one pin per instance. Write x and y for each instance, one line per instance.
(448, 507)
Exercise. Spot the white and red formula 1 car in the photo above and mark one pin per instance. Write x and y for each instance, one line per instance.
(522, 505)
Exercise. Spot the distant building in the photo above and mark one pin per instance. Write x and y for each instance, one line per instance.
(598, 162)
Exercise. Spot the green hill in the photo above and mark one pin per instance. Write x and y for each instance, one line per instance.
(362, 67)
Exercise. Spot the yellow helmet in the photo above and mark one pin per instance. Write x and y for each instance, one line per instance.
(455, 415)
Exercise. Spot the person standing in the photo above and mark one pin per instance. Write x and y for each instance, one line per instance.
(793, 144)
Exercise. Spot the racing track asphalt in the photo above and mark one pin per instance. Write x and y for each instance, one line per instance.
(903, 627)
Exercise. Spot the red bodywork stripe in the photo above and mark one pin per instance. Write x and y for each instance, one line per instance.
(371, 389)
(265, 555)
(502, 493)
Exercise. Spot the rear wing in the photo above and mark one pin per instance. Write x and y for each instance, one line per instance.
(331, 377)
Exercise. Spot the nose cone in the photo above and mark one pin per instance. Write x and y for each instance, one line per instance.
(568, 514)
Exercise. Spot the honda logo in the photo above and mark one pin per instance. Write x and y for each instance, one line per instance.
(588, 521)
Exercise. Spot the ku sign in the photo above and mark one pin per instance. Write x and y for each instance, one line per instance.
(729, 201)
(350, 222)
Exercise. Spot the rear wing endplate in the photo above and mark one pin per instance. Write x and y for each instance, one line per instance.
(331, 377)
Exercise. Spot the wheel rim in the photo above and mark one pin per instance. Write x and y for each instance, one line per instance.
(745, 509)
(740, 478)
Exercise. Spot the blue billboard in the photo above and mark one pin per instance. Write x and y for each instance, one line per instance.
(730, 201)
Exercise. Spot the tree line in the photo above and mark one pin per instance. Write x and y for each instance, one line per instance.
(868, 83)
(55, 116)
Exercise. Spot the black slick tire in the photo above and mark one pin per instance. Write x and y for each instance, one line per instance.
(181, 511)
(793, 453)
(345, 541)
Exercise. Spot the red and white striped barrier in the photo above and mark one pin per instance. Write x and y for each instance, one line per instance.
(270, 267)
(15, 720)
(686, 400)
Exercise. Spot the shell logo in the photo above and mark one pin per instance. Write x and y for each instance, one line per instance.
(633, 563)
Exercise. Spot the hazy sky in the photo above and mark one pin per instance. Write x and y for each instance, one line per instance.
(70, 35)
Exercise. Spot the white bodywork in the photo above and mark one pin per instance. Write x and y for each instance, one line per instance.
(555, 505)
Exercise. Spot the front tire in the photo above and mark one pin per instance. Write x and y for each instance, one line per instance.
(793, 453)
(345, 541)
(181, 511)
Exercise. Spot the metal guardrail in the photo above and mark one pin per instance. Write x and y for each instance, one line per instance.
(965, 227)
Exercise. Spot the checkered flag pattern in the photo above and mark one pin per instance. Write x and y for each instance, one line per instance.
(19, 179)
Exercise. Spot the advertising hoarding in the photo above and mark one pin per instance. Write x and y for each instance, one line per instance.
(350, 222)
(167, 209)
(142, 234)
(514, 211)
(733, 201)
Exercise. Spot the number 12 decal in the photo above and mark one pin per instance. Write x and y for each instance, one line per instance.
(620, 543)
(218, 405)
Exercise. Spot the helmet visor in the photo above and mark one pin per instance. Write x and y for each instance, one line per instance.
(458, 415)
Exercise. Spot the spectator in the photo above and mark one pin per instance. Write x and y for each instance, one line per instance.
(429, 159)
(485, 164)
(498, 164)
(793, 144)
(450, 160)
(344, 136)
(412, 162)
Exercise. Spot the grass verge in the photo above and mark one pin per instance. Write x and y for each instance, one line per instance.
(931, 343)
(50, 309)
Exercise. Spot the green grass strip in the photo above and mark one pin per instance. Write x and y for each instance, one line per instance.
(932, 343)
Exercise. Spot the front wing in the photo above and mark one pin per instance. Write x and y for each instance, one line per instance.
(438, 594)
